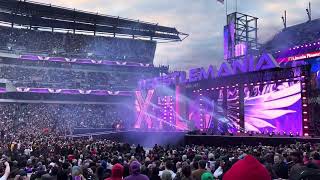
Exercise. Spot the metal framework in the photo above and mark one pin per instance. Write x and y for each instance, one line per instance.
(38, 15)
(246, 31)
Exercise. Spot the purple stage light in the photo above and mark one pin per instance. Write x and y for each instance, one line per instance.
(143, 106)
(74, 91)
(82, 61)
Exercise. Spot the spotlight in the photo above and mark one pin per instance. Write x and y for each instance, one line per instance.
(291, 135)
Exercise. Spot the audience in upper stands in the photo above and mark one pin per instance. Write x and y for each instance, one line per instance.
(66, 78)
(76, 45)
(305, 34)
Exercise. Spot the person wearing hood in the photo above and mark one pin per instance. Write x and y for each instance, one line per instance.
(135, 170)
(247, 168)
(116, 172)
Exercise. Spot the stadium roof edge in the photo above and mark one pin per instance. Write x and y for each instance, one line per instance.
(14, 10)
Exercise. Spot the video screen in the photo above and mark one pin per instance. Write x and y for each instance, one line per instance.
(157, 109)
(215, 110)
(233, 110)
(273, 107)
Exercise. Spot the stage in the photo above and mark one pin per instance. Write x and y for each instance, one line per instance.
(149, 139)
(220, 140)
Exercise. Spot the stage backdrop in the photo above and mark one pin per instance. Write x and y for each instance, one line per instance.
(274, 107)
(161, 109)
(215, 109)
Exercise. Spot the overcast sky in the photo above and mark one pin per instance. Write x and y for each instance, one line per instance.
(202, 19)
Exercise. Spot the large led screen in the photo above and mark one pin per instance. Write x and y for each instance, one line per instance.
(158, 109)
(233, 109)
(215, 110)
(274, 107)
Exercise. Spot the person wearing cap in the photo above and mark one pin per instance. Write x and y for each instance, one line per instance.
(135, 170)
(116, 172)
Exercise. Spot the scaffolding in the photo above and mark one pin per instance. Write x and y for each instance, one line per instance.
(242, 36)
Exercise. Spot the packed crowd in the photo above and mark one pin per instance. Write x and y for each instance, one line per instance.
(76, 45)
(26, 76)
(50, 157)
(293, 36)
(58, 118)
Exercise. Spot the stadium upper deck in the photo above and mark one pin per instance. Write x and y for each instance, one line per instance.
(34, 14)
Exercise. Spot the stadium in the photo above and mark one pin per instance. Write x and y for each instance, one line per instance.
(81, 98)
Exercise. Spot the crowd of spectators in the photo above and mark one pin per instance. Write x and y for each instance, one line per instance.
(76, 45)
(59, 118)
(50, 157)
(294, 36)
(65, 78)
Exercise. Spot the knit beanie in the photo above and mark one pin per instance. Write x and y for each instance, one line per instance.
(135, 167)
(207, 176)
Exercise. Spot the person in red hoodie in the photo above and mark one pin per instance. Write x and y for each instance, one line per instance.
(116, 172)
(247, 169)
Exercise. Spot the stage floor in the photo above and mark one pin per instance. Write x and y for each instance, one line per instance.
(149, 139)
(247, 140)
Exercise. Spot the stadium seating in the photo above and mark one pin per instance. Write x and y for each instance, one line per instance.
(294, 36)
(59, 118)
(66, 78)
(76, 45)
